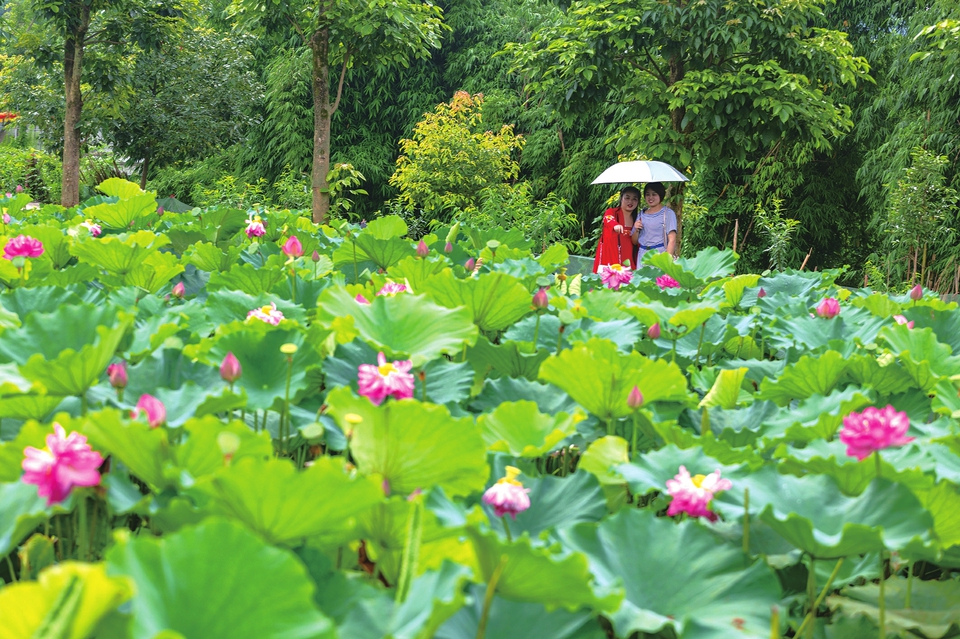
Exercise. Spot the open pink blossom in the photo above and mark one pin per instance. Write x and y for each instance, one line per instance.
(900, 319)
(614, 276)
(268, 314)
(377, 382)
(93, 227)
(665, 282)
(392, 288)
(508, 496)
(828, 308)
(255, 227)
(874, 429)
(153, 408)
(692, 495)
(23, 246)
(292, 247)
(67, 461)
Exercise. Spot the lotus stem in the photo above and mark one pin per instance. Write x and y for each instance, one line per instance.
(633, 437)
(536, 333)
(83, 534)
(746, 522)
(488, 597)
(811, 597)
(13, 575)
(293, 286)
(506, 528)
(876, 455)
(703, 328)
(559, 339)
(823, 593)
(774, 622)
(356, 273)
(907, 597)
(411, 550)
(883, 595)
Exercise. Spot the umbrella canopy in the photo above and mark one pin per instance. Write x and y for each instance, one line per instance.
(640, 171)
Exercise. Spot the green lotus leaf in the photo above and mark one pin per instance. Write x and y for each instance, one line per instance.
(11, 452)
(600, 378)
(811, 375)
(514, 620)
(150, 334)
(17, 204)
(924, 358)
(155, 272)
(260, 592)
(56, 245)
(416, 271)
(71, 598)
(509, 359)
(383, 252)
(624, 333)
(495, 300)
(678, 576)
(725, 391)
(36, 406)
(816, 333)
(413, 445)
(21, 511)
(201, 453)
(510, 389)
(143, 450)
(791, 283)
(886, 378)
(119, 188)
(603, 458)
(119, 214)
(933, 607)
(815, 516)
(118, 254)
(691, 316)
(734, 288)
(604, 305)
(247, 278)
(193, 400)
(946, 325)
(816, 417)
(224, 307)
(45, 299)
(535, 574)
(738, 427)
(708, 264)
(879, 304)
(402, 326)
(72, 275)
(206, 257)
(286, 506)
(220, 223)
(520, 429)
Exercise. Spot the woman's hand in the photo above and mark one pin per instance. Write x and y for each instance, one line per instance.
(618, 228)
(638, 225)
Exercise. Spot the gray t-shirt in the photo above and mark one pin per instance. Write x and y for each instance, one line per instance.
(656, 227)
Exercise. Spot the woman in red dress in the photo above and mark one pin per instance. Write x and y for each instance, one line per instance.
(616, 245)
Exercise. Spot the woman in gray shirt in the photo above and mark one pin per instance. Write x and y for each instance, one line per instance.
(656, 227)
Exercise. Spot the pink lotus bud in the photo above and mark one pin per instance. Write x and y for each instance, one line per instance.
(900, 319)
(153, 408)
(6, 218)
(828, 308)
(179, 290)
(654, 331)
(230, 369)
(916, 293)
(19, 189)
(422, 249)
(540, 299)
(635, 398)
(160, 211)
(761, 293)
(448, 248)
(117, 373)
(315, 257)
(469, 264)
(292, 247)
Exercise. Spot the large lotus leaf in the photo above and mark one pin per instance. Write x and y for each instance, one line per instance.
(225, 306)
(946, 325)
(708, 264)
(217, 581)
(118, 254)
(510, 389)
(42, 299)
(537, 574)
(72, 275)
(725, 391)
(193, 400)
(600, 378)
(676, 575)
(791, 283)
(150, 334)
(815, 516)
(415, 271)
(382, 252)
(624, 333)
(286, 506)
(514, 620)
(879, 304)
(119, 215)
(56, 245)
(69, 599)
(934, 606)
(721, 450)
(21, 511)
(402, 325)
(155, 272)
(509, 359)
(738, 427)
(809, 376)
(71, 326)
(201, 452)
(206, 257)
(816, 417)
(143, 450)
(853, 325)
(495, 300)
(220, 223)
(520, 429)
(603, 459)
(265, 368)
(886, 377)
(250, 279)
(735, 287)
(27, 405)
(413, 445)
(922, 356)
(119, 188)
(604, 305)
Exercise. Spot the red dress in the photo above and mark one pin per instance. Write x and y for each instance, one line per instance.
(613, 248)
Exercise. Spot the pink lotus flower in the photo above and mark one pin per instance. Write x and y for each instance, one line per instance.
(268, 314)
(377, 382)
(635, 398)
(828, 308)
(23, 246)
(361, 299)
(422, 249)
(292, 247)
(665, 282)
(540, 299)
(6, 218)
(654, 331)
(230, 369)
(900, 319)
(117, 374)
(916, 293)
(692, 495)
(93, 227)
(19, 189)
(614, 276)
(508, 496)
(255, 227)
(67, 461)
(470, 264)
(448, 247)
(315, 257)
(179, 290)
(392, 288)
(874, 429)
(761, 293)
(153, 408)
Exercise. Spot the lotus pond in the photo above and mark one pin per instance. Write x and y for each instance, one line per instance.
(215, 425)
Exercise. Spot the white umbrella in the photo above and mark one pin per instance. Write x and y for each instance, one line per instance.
(640, 171)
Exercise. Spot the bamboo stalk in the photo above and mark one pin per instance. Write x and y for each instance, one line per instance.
(807, 258)
(736, 231)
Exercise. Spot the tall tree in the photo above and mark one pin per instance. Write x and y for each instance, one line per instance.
(344, 34)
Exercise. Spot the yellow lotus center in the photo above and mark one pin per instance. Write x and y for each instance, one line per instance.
(266, 309)
(698, 480)
(386, 369)
(616, 267)
(511, 476)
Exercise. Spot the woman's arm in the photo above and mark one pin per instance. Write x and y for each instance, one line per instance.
(671, 242)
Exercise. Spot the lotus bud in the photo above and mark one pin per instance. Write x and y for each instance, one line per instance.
(448, 247)
(230, 369)
(117, 374)
(469, 264)
(155, 410)
(422, 249)
(654, 331)
(292, 247)
(635, 398)
(6, 218)
(179, 290)
(916, 293)
(828, 308)
(315, 257)
(761, 293)
(19, 189)
(160, 211)
(540, 300)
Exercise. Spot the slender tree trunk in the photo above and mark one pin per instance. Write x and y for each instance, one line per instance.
(143, 171)
(322, 114)
(72, 68)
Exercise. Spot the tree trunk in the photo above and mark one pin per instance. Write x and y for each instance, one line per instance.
(72, 68)
(322, 114)
(143, 171)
